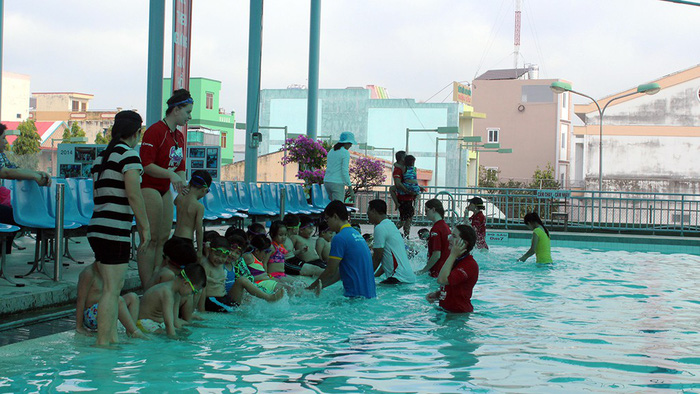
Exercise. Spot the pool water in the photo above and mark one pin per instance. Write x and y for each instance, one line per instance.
(597, 320)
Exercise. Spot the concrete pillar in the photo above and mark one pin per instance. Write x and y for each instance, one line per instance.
(253, 100)
(154, 85)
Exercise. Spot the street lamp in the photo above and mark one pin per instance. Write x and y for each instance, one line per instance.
(488, 147)
(559, 87)
(474, 138)
(366, 147)
(439, 130)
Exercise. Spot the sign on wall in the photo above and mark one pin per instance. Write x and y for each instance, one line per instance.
(547, 193)
(461, 93)
(204, 158)
(75, 160)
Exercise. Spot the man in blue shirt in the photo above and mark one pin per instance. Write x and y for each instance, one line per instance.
(349, 259)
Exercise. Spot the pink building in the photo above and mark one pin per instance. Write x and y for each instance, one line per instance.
(523, 114)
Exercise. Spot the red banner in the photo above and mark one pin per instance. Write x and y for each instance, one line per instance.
(182, 32)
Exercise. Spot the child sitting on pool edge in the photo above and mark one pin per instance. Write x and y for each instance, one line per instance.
(540, 245)
(458, 274)
(86, 309)
(159, 303)
(218, 295)
(323, 243)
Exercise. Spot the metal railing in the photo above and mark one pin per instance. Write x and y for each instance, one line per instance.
(579, 210)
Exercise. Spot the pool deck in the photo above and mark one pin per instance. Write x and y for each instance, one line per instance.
(41, 293)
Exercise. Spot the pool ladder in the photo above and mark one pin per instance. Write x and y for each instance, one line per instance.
(453, 208)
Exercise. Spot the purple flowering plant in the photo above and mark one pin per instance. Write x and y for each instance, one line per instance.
(309, 154)
(366, 173)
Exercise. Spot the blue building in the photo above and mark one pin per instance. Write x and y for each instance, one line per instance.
(375, 119)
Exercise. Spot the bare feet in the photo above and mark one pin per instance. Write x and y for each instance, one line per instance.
(276, 296)
(137, 334)
(319, 287)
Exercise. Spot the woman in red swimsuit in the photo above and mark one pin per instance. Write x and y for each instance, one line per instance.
(163, 157)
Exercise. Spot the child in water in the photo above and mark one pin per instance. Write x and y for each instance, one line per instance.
(477, 221)
(540, 245)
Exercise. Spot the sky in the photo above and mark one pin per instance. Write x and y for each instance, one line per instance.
(413, 48)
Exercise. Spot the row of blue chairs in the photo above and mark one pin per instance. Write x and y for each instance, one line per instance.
(34, 207)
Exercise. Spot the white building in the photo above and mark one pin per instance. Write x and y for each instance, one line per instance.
(15, 97)
(650, 143)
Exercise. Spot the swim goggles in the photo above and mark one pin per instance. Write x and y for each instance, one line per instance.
(223, 251)
(306, 226)
(189, 282)
(188, 101)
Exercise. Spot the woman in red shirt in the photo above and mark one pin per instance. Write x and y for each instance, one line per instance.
(163, 158)
(459, 274)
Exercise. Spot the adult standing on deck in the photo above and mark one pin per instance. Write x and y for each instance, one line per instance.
(349, 259)
(117, 174)
(337, 175)
(163, 157)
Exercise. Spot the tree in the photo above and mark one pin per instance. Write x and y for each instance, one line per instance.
(366, 173)
(75, 131)
(103, 138)
(28, 141)
(544, 179)
(488, 177)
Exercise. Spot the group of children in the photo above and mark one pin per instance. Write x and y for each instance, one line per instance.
(217, 274)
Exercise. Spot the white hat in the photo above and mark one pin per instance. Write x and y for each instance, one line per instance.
(347, 137)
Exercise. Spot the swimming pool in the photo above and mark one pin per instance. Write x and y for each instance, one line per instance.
(597, 320)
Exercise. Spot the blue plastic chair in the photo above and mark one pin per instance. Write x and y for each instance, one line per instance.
(293, 200)
(6, 233)
(30, 208)
(86, 199)
(221, 201)
(231, 197)
(301, 199)
(257, 202)
(244, 198)
(317, 196)
(268, 197)
(70, 205)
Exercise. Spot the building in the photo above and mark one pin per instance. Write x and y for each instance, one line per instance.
(50, 134)
(649, 141)
(210, 124)
(525, 115)
(71, 107)
(15, 97)
(376, 120)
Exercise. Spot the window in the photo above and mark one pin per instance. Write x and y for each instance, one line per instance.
(537, 94)
(564, 131)
(83, 107)
(19, 116)
(564, 98)
(210, 100)
(493, 134)
(76, 105)
(223, 140)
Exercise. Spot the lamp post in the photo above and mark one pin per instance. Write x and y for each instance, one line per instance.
(366, 147)
(474, 138)
(439, 130)
(559, 87)
(488, 147)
